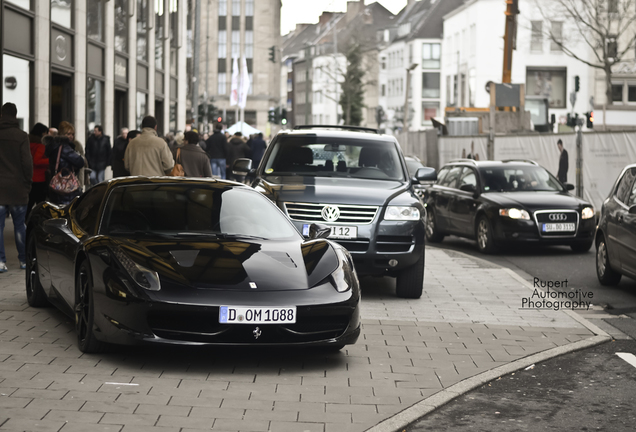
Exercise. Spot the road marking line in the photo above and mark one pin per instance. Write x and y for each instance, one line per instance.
(125, 384)
(629, 358)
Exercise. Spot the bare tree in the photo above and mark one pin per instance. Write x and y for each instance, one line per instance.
(607, 27)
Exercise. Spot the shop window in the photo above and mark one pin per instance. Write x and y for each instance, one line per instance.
(94, 103)
(95, 20)
(16, 75)
(549, 83)
(121, 25)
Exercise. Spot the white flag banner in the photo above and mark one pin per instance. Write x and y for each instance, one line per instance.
(245, 84)
(234, 92)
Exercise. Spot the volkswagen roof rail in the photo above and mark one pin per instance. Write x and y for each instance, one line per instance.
(520, 160)
(343, 127)
(473, 161)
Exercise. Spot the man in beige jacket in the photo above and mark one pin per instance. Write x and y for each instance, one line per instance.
(147, 154)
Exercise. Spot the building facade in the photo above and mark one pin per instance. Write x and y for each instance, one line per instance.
(235, 29)
(95, 62)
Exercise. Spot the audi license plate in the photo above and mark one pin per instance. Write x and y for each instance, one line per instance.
(257, 315)
(559, 227)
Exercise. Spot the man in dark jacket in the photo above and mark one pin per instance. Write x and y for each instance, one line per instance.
(237, 149)
(16, 172)
(562, 174)
(191, 156)
(98, 154)
(258, 147)
(216, 148)
(119, 149)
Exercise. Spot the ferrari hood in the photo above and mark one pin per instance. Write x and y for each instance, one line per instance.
(246, 265)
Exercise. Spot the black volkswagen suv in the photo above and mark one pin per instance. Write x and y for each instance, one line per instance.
(355, 181)
(504, 202)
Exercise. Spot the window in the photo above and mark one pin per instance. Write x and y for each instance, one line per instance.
(612, 6)
(174, 35)
(95, 20)
(431, 56)
(87, 209)
(430, 85)
(94, 103)
(612, 47)
(121, 25)
(26, 4)
(471, 87)
(159, 34)
(383, 61)
(236, 43)
(548, 82)
(249, 8)
(249, 44)
(617, 92)
(557, 36)
(410, 54)
(222, 7)
(625, 185)
(383, 90)
(17, 71)
(236, 7)
(450, 179)
(222, 44)
(536, 38)
(455, 89)
(631, 93)
(449, 100)
(142, 107)
(142, 30)
(429, 110)
(222, 86)
(62, 12)
(468, 178)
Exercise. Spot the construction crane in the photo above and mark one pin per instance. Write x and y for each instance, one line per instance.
(510, 38)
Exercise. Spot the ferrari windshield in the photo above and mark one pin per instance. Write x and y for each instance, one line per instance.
(518, 179)
(334, 157)
(183, 209)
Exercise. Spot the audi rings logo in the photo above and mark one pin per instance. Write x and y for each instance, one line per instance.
(558, 217)
(330, 213)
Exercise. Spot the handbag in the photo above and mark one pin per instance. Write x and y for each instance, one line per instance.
(64, 181)
(177, 170)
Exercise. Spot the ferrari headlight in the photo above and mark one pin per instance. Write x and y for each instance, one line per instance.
(396, 213)
(514, 213)
(587, 213)
(339, 276)
(142, 276)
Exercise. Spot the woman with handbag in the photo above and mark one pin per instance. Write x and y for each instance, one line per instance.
(190, 159)
(64, 164)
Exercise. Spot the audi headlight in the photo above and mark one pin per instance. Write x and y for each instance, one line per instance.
(142, 276)
(340, 279)
(395, 213)
(514, 213)
(587, 213)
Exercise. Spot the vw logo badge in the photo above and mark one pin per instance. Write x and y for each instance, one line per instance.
(330, 213)
(557, 216)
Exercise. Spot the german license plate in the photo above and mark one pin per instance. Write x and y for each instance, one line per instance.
(257, 315)
(559, 227)
(343, 232)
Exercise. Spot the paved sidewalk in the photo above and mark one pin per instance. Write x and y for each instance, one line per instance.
(467, 322)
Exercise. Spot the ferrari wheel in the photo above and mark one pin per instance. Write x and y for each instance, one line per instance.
(85, 312)
(34, 291)
(410, 281)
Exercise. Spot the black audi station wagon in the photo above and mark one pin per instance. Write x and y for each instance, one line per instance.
(354, 181)
(507, 202)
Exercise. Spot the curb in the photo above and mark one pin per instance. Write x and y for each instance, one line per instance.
(401, 420)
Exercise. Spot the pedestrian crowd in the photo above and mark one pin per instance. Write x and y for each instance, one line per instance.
(49, 164)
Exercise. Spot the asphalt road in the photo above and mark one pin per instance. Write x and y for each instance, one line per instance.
(557, 263)
(587, 390)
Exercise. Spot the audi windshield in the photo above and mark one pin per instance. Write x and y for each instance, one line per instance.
(519, 179)
(334, 157)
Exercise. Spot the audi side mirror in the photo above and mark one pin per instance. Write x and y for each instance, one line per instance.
(318, 231)
(468, 188)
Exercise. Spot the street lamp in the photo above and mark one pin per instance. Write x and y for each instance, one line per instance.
(406, 99)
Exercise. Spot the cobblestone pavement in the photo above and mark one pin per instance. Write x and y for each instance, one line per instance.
(468, 321)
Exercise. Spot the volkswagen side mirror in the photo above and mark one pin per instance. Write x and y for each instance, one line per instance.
(426, 174)
(569, 186)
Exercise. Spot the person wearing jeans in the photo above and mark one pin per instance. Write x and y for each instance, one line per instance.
(16, 173)
(18, 214)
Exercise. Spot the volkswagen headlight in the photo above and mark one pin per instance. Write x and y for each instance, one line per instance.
(514, 213)
(142, 276)
(587, 213)
(395, 213)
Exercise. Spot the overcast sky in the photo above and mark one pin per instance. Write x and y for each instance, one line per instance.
(308, 11)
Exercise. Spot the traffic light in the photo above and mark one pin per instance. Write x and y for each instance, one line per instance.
(271, 115)
(283, 116)
(272, 54)
(590, 119)
(219, 119)
(577, 84)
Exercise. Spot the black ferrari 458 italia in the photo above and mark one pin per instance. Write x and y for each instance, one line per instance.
(188, 261)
